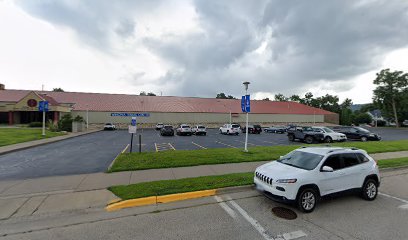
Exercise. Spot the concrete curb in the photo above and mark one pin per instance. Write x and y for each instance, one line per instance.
(114, 160)
(117, 204)
(390, 169)
(43, 143)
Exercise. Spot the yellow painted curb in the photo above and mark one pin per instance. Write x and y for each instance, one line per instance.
(159, 199)
(185, 196)
(131, 203)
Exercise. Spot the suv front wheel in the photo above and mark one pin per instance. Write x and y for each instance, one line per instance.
(307, 200)
(369, 190)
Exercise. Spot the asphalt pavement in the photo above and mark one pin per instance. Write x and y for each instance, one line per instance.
(84, 154)
(237, 215)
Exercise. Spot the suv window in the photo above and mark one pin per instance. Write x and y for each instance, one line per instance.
(333, 161)
(235, 125)
(362, 158)
(350, 159)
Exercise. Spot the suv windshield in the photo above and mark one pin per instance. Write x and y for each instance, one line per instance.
(328, 130)
(185, 126)
(168, 127)
(301, 160)
(200, 127)
(235, 125)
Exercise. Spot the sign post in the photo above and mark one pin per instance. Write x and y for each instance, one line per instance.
(246, 107)
(43, 107)
(132, 130)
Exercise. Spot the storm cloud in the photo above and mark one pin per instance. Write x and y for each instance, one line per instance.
(279, 46)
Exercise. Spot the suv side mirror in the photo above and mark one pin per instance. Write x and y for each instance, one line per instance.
(327, 169)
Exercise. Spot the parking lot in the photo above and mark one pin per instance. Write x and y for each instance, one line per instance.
(94, 152)
(238, 215)
(152, 141)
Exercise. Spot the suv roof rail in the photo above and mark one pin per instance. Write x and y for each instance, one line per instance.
(333, 150)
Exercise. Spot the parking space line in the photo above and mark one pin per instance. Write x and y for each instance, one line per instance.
(171, 146)
(155, 146)
(248, 143)
(225, 144)
(405, 206)
(198, 145)
(251, 220)
(227, 209)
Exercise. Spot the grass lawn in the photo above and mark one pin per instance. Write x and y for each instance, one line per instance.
(10, 136)
(158, 188)
(183, 158)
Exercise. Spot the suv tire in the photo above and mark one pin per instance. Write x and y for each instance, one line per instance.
(328, 140)
(291, 137)
(369, 190)
(364, 139)
(307, 200)
(309, 139)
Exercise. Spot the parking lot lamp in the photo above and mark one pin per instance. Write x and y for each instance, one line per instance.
(87, 116)
(246, 126)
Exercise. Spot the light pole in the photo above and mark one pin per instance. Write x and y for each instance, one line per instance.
(87, 117)
(246, 126)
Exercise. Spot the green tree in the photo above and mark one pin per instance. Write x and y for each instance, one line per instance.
(223, 96)
(295, 98)
(266, 99)
(151, 94)
(280, 98)
(391, 90)
(58, 90)
(363, 118)
(143, 93)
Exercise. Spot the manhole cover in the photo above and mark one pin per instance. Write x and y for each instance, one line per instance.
(284, 213)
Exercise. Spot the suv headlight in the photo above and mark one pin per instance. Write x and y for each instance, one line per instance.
(292, 180)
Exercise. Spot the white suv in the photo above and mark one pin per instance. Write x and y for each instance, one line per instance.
(330, 135)
(230, 129)
(306, 174)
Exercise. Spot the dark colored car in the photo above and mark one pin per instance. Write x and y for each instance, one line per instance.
(167, 130)
(306, 134)
(275, 129)
(256, 129)
(357, 133)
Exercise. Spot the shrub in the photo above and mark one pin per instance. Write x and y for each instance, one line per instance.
(35, 124)
(381, 123)
(79, 119)
(52, 126)
(65, 123)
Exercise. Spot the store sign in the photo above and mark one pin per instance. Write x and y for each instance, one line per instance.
(130, 114)
(32, 103)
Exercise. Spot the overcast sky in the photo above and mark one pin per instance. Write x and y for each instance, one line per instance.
(200, 48)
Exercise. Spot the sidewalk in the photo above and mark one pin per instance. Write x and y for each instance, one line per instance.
(64, 193)
(30, 144)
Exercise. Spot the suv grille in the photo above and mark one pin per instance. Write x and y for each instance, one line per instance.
(263, 178)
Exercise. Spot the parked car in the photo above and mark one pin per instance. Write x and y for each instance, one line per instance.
(109, 126)
(230, 129)
(306, 134)
(199, 130)
(275, 129)
(184, 129)
(405, 123)
(330, 135)
(167, 130)
(159, 126)
(357, 133)
(305, 175)
(255, 129)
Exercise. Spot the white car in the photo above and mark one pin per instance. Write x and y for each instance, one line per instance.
(109, 126)
(330, 135)
(184, 129)
(159, 126)
(306, 174)
(230, 129)
(199, 130)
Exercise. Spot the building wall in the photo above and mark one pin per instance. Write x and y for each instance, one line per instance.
(176, 118)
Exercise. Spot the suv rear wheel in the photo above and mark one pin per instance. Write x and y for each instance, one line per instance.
(307, 200)
(291, 137)
(309, 139)
(328, 140)
(364, 139)
(369, 190)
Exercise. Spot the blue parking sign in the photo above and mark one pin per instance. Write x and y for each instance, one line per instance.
(43, 106)
(133, 122)
(243, 103)
(247, 103)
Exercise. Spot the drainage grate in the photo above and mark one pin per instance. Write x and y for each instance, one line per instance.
(284, 213)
